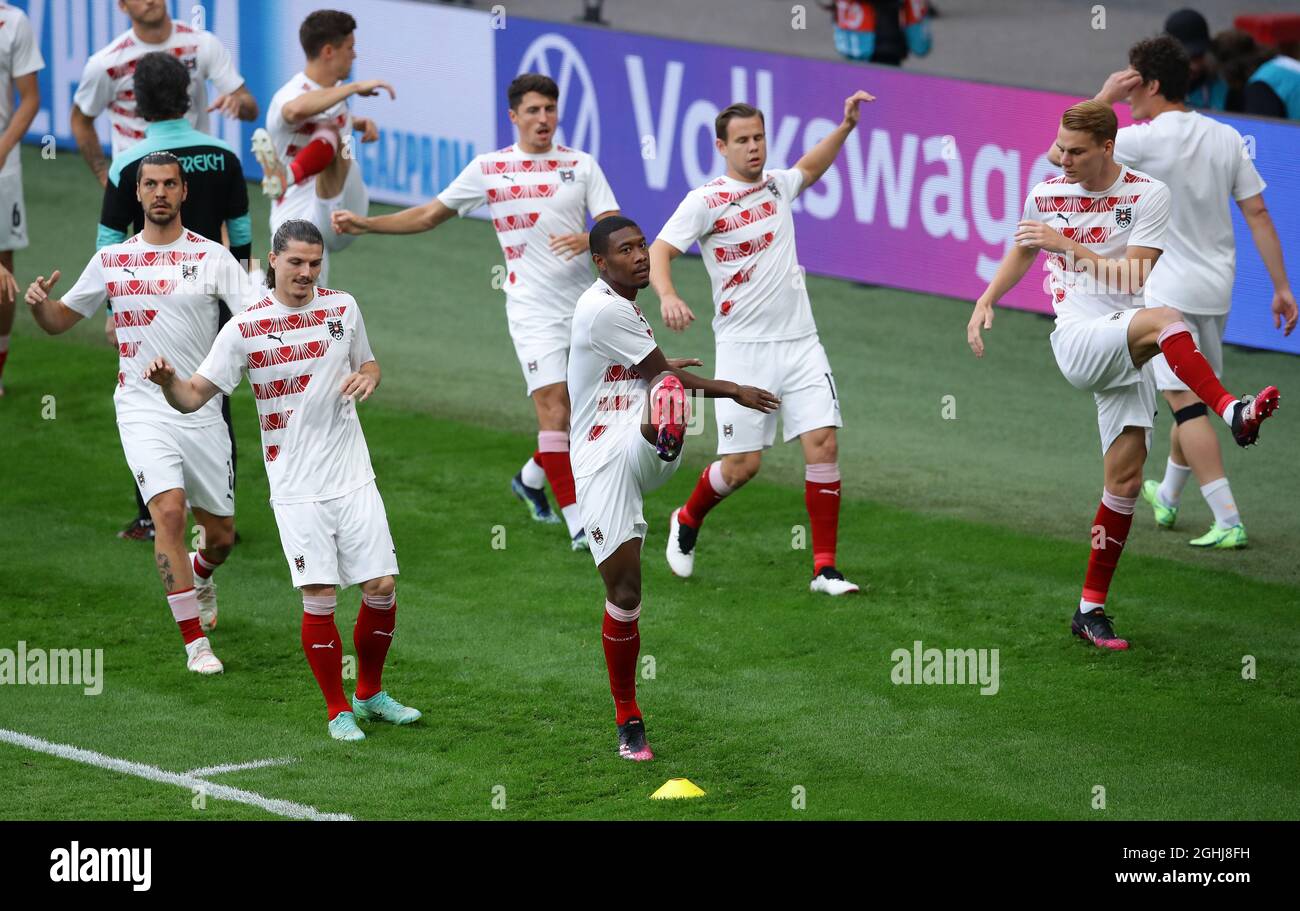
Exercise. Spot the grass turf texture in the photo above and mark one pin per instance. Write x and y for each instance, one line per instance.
(968, 533)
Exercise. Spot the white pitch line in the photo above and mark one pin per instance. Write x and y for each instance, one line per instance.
(237, 767)
(286, 808)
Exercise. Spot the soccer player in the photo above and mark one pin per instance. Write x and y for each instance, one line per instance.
(216, 195)
(166, 284)
(764, 328)
(309, 126)
(107, 82)
(306, 354)
(539, 194)
(1112, 226)
(629, 424)
(1204, 165)
(20, 61)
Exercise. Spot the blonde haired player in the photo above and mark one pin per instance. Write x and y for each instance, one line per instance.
(1112, 231)
(309, 361)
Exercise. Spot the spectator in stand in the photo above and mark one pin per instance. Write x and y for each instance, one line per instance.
(1260, 80)
(1207, 90)
(881, 31)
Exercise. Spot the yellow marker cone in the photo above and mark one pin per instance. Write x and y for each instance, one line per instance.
(675, 788)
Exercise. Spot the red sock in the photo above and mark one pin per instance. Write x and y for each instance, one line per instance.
(203, 566)
(553, 455)
(4, 353)
(324, 650)
(371, 637)
(709, 491)
(622, 642)
(185, 611)
(821, 494)
(1109, 532)
(1190, 366)
(314, 158)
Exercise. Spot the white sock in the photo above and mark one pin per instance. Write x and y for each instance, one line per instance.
(1219, 495)
(532, 474)
(572, 519)
(1229, 411)
(1171, 488)
(1087, 607)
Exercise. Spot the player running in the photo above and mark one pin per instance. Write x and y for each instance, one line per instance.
(1202, 162)
(306, 149)
(166, 285)
(1104, 338)
(107, 81)
(20, 61)
(539, 194)
(764, 328)
(306, 354)
(629, 424)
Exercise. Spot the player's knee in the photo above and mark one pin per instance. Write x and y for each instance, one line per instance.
(379, 588)
(1166, 316)
(625, 595)
(168, 514)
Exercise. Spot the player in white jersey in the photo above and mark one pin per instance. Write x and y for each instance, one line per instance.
(539, 194)
(306, 354)
(107, 82)
(306, 149)
(1205, 163)
(1103, 226)
(763, 326)
(166, 285)
(629, 423)
(20, 61)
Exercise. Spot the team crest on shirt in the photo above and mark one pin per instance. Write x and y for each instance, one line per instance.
(532, 366)
(139, 478)
(1123, 216)
(771, 187)
(336, 328)
(597, 536)
(300, 563)
(566, 175)
(727, 430)
(190, 271)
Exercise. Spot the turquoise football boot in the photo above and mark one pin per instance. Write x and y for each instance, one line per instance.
(343, 726)
(383, 707)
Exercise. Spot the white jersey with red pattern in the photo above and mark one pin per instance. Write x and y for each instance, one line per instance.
(610, 337)
(530, 197)
(1131, 212)
(292, 138)
(165, 302)
(746, 236)
(108, 80)
(20, 55)
(296, 359)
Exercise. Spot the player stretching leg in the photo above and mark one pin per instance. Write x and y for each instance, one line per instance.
(306, 354)
(1104, 338)
(539, 194)
(167, 285)
(764, 328)
(1200, 260)
(309, 126)
(627, 434)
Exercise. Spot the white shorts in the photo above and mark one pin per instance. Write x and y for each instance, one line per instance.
(166, 456)
(795, 370)
(1093, 355)
(610, 500)
(13, 213)
(541, 343)
(307, 205)
(1207, 330)
(340, 541)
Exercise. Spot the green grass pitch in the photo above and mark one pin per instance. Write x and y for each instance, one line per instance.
(968, 531)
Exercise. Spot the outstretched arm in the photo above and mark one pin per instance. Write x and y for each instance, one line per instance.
(414, 220)
(185, 396)
(817, 159)
(309, 104)
(750, 396)
(1269, 246)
